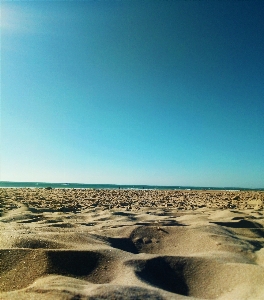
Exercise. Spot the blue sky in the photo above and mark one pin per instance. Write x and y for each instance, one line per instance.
(133, 92)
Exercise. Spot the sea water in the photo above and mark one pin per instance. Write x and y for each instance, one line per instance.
(11, 184)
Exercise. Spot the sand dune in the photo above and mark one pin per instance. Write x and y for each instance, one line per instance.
(131, 244)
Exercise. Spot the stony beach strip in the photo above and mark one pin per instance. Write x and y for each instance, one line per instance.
(77, 200)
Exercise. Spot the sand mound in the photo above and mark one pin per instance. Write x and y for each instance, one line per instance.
(21, 267)
(97, 244)
(186, 275)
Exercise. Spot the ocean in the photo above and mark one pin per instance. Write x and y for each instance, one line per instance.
(11, 184)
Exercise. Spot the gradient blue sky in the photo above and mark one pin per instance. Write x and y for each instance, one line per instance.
(133, 92)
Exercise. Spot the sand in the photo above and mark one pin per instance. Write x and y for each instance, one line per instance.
(131, 244)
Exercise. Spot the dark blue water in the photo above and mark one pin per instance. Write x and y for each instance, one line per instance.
(112, 186)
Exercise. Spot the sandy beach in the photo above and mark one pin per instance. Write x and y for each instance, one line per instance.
(131, 244)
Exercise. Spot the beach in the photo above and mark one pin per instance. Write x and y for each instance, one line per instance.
(131, 244)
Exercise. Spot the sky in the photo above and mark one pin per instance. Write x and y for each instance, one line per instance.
(156, 92)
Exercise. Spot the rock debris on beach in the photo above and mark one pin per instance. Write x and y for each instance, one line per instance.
(79, 199)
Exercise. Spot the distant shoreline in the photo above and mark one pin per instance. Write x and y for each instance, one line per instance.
(13, 184)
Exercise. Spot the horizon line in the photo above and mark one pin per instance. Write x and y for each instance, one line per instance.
(143, 185)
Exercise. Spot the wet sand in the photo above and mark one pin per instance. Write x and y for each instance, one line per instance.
(131, 244)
